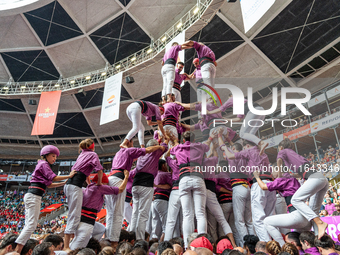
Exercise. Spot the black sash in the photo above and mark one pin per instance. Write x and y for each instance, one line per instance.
(224, 198)
(143, 179)
(119, 173)
(163, 195)
(128, 197)
(175, 184)
(88, 215)
(189, 169)
(290, 207)
(205, 60)
(171, 120)
(37, 188)
(177, 86)
(264, 176)
(210, 185)
(143, 105)
(77, 180)
(170, 61)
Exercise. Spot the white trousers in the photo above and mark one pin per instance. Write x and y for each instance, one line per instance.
(174, 208)
(134, 113)
(178, 96)
(281, 208)
(98, 231)
(81, 236)
(228, 212)
(314, 188)
(142, 199)
(208, 72)
(172, 130)
(114, 210)
(74, 196)
(262, 206)
(289, 221)
(159, 215)
(248, 132)
(192, 188)
(242, 213)
(32, 212)
(127, 212)
(168, 74)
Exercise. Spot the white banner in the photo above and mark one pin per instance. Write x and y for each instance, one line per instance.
(326, 122)
(274, 141)
(111, 99)
(20, 178)
(180, 38)
(316, 100)
(253, 10)
(65, 163)
(333, 92)
(29, 178)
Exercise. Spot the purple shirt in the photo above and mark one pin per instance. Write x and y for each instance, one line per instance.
(172, 163)
(208, 117)
(156, 135)
(163, 178)
(43, 173)
(330, 208)
(153, 110)
(179, 77)
(172, 109)
(285, 185)
(291, 159)
(204, 51)
(172, 53)
(198, 74)
(125, 156)
(189, 152)
(201, 125)
(313, 251)
(180, 129)
(149, 162)
(229, 104)
(130, 180)
(256, 162)
(223, 181)
(87, 162)
(93, 195)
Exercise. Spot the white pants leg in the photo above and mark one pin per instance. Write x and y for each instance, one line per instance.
(292, 220)
(228, 213)
(168, 74)
(32, 212)
(155, 224)
(74, 197)
(281, 208)
(172, 130)
(98, 231)
(249, 133)
(242, 213)
(134, 113)
(160, 208)
(178, 96)
(262, 206)
(142, 199)
(127, 212)
(212, 224)
(208, 72)
(114, 210)
(174, 208)
(314, 188)
(81, 236)
(192, 188)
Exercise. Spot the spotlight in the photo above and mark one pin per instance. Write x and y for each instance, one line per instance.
(103, 73)
(129, 79)
(87, 77)
(72, 82)
(40, 86)
(117, 66)
(23, 87)
(164, 38)
(179, 25)
(133, 59)
(56, 85)
(32, 102)
(196, 10)
(6, 87)
(149, 51)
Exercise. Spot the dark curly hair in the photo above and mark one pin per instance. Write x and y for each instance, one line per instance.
(250, 242)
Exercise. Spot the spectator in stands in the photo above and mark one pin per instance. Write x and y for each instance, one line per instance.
(8, 244)
(325, 245)
(29, 246)
(330, 207)
(45, 248)
(337, 212)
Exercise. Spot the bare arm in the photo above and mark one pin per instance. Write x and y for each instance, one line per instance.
(187, 45)
(186, 106)
(160, 126)
(125, 181)
(56, 185)
(100, 176)
(154, 148)
(61, 178)
(217, 110)
(163, 186)
(151, 123)
(223, 147)
(224, 190)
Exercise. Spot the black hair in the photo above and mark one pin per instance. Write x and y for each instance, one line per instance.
(42, 249)
(30, 244)
(9, 239)
(180, 63)
(146, 235)
(188, 136)
(54, 239)
(161, 162)
(307, 236)
(132, 236)
(250, 241)
(162, 246)
(124, 248)
(226, 252)
(238, 146)
(124, 235)
(245, 142)
(177, 240)
(94, 245)
(325, 242)
(152, 241)
(141, 244)
(153, 248)
(139, 251)
(295, 237)
(260, 253)
(235, 252)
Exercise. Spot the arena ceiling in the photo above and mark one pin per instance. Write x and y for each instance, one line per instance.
(295, 44)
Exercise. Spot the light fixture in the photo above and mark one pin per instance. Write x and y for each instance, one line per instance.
(72, 82)
(117, 66)
(196, 10)
(87, 77)
(56, 85)
(103, 73)
(40, 86)
(179, 25)
(133, 59)
(164, 38)
(5, 87)
(149, 50)
(23, 87)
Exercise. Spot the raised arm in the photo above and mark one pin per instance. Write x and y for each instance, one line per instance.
(262, 185)
(125, 181)
(154, 148)
(223, 147)
(61, 178)
(187, 45)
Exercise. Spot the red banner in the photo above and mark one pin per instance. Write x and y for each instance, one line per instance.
(51, 208)
(101, 214)
(46, 114)
(297, 133)
(3, 177)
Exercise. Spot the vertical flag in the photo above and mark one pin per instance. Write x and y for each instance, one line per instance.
(111, 99)
(46, 113)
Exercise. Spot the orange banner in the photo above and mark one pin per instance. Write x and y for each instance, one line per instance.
(51, 208)
(297, 133)
(101, 214)
(46, 114)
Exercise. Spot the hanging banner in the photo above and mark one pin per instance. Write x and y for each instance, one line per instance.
(297, 133)
(46, 113)
(326, 122)
(111, 99)
(253, 10)
(14, 178)
(316, 100)
(333, 229)
(274, 141)
(3, 177)
(333, 92)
